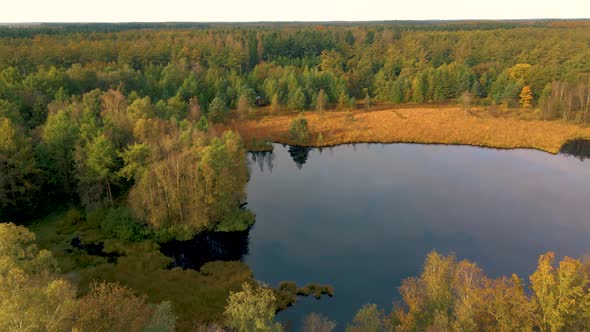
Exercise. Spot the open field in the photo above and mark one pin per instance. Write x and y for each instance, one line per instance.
(441, 125)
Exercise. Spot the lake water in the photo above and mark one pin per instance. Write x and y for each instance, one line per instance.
(363, 217)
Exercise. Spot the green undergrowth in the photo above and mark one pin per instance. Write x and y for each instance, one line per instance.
(198, 297)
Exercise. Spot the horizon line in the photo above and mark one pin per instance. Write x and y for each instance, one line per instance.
(307, 21)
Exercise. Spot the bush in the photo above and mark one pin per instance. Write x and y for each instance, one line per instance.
(299, 130)
(236, 221)
(119, 223)
(73, 217)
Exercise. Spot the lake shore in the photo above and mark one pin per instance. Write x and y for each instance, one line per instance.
(426, 125)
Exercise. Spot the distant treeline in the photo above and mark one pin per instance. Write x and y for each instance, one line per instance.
(26, 30)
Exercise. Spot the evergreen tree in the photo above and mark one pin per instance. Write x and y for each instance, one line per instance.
(297, 100)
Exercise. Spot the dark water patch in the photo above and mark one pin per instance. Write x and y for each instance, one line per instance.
(94, 249)
(207, 247)
(579, 148)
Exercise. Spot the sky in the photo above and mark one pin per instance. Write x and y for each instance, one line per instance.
(12, 11)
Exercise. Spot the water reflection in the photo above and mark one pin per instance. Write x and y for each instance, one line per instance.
(207, 247)
(299, 154)
(579, 148)
(263, 159)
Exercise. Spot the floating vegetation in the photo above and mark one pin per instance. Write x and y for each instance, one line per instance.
(288, 291)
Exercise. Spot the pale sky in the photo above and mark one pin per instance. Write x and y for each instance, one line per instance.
(293, 10)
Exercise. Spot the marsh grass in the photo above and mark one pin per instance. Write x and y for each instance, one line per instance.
(506, 128)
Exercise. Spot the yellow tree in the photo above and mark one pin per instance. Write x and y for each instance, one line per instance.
(32, 298)
(252, 309)
(526, 97)
(560, 295)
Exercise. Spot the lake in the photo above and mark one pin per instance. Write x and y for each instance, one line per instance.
(363, 217)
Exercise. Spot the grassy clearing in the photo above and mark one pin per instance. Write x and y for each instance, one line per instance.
(441, 125)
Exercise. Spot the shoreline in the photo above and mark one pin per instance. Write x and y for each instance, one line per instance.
(427, 125)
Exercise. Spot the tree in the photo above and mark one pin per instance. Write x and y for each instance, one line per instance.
(299, 130)
(320, 104)
(118, 125)
(18, 170)
(526, 97)
(505, 301)
(274, 104)
(466, 101)
(252, 309)
(203, 124)
(218, 110)
(194, 113)
(176, 108)
(96, 170)
(198, 187)
(561, 296)
(32, 297)
(368, 100)
(111, 307)
(141, 108)
(297, 100)
(56, 151)
(318, 323)
(367, 319)
(135, 160)
(243, 105)
(332, 61)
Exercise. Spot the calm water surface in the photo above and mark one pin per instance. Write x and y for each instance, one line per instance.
(362, 217)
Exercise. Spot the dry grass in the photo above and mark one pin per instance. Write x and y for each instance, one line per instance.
(444, 125)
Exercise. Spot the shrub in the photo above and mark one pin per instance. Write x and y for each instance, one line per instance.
(299, 131)
(119, 223)
(73, 217)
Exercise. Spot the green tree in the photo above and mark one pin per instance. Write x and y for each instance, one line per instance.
(203, 124)
(96, 163)
(218, 110)
(297, 100)
(56, 151)
(135, 160)
(299, 131)
(141, 108)
(18, 171)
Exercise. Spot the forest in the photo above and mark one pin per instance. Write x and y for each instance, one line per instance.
(117, 138)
